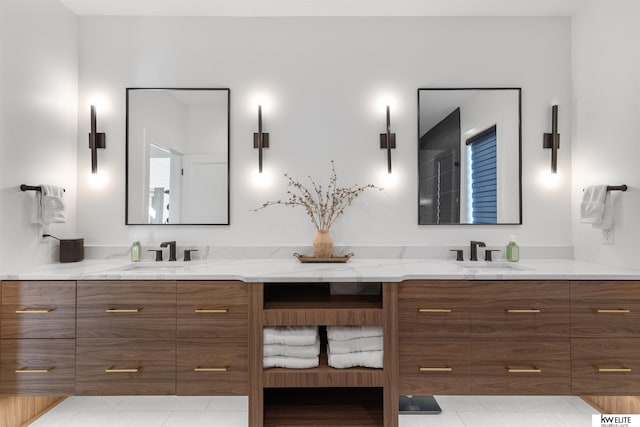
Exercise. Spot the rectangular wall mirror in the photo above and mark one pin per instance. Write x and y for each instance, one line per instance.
(177, 156)
(469, 161)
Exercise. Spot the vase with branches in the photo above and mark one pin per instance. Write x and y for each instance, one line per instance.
(323, 204)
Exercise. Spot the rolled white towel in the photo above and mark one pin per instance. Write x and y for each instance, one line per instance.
(367, 359)
(290, 362)
(290, 335)
(342, 333)
(292, 350)
(355, 345)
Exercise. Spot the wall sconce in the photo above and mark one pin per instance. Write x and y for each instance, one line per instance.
(388, 140)
(96, 140)
(552, 140)
(260, 139)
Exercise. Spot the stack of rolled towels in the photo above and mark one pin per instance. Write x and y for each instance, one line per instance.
(352, 346)
(293, 347)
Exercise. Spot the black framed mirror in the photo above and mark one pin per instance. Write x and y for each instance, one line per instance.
(469, 156)
(177, 156)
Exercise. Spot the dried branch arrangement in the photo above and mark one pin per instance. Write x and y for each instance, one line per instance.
(322, 206)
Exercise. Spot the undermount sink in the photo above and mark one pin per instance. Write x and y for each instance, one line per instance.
(489, 265)
(154, 266)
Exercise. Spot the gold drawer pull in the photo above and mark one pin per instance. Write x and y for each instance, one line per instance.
(209, 369)
(436, 369)
(121, 371)
(533, 370)
(33, 371)
(123, 310)
(619, 310)
(35, 310)
(434, 310)
(614, 369)
(211, 310)
(523, 310)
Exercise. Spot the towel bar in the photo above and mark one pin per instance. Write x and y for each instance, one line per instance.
(25, 187)
(622, 187)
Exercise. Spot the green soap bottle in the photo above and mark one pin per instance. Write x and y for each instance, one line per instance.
(136, 251)
(512, 251)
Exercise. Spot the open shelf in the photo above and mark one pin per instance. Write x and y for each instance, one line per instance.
(313, 304)
(323, 376)
(323, 407)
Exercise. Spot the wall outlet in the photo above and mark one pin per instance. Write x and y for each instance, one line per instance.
(607, 236)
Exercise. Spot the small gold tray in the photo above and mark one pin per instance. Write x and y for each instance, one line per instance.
(312, 259)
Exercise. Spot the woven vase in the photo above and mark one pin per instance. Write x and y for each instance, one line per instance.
(323, 244)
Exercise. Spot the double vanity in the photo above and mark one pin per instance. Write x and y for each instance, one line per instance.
(110, 327)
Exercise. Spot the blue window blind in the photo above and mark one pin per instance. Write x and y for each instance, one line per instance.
(484, 205)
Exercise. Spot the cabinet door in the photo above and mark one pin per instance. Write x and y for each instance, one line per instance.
(106, 366)
(605, 366)
(605, 309)
(435, 366)
(34, 309)
(212, 367)
(520, 309)
(121, 309)
(521, 366)
(37, 366)
(433, 309)
(212, 309)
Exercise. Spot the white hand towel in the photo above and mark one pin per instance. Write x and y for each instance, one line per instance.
(367, 359)
(607, 217)
(290, 362)
(290, 335)
(342, 333)
(49, 205)
(355, 345)
(592, 207)
(292, 350)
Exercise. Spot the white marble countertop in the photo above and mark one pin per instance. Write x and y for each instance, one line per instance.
(356, 270)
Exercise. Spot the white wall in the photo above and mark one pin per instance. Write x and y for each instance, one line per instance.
(323, 77)
(38, 127)
(606, 105)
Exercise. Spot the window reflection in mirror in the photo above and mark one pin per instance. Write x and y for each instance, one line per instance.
(177, 156)
(469, 156)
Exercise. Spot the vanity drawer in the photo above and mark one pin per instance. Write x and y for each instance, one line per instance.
(212, 367)
(520, 309)
(126, 309)
(212, 309)
(434, 366)
(605, 309)
(38, 309)
(605, 366)
(521, 366)
(37, 366)
(108, 366)
(433, 309)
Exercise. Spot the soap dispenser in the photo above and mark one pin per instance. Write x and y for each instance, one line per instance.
(136, 251)
(513, 251)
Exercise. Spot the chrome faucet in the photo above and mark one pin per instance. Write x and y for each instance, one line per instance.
(172, 249)
(474, 249)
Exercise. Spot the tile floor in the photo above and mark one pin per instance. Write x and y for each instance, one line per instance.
(172, 411)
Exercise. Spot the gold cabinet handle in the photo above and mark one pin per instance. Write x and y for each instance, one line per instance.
(434, 310)
(618, 310)
(33, 371)
(523, 310)
(123, 310)
(614, 369)
(122, 371)
(533, 370)
(209, 369)
(443, 369)
(35, 310)
(211, 310)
